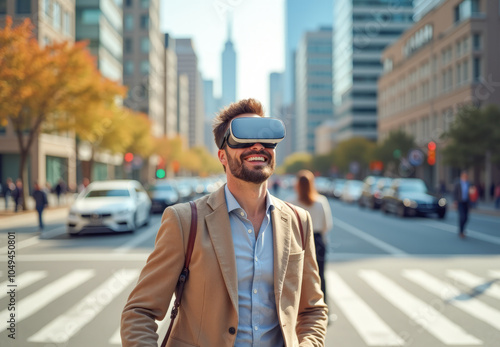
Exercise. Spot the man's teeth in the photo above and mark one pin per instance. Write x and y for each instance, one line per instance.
(256, 159)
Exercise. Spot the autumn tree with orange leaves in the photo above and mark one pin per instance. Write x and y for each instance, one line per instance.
(47, 84)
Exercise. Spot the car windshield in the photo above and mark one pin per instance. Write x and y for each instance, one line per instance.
(417, 187)
(107, 193)
(161, 188)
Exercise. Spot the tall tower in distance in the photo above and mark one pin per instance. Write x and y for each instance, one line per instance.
(228, 69)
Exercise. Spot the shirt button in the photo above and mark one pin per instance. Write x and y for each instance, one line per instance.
(249, 231)
(242, 214)
(232, 330)
(256, 328)
(255, 291)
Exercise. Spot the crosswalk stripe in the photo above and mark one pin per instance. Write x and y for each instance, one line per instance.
(116, 338)
(478, 284)
(372, 329)
(23, 280)
(22, 244)
(453, 296)
(67, 325)
(36, 301)
(494, 273)
(423, 314)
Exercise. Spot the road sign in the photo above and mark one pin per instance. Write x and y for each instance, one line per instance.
(416, 157)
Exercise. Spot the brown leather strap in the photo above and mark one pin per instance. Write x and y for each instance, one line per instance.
(300, 224)
(185, 272)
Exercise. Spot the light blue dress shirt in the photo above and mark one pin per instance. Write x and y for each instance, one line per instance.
(465, 190)
(258, 323)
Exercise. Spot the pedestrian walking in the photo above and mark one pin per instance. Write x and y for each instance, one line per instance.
(8, 188)
(461, 198)
(41, 203)
(497, 196)
(18, 195)
(253, 277)
(60, 189)
(318, 207)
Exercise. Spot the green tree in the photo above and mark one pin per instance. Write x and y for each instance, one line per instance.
(357, 149)
(474, 133)
(397, 145)
(323, 163)
(296, 162)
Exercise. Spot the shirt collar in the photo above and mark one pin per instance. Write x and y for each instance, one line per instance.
(233, 205)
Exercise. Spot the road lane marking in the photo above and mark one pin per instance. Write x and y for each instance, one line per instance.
(67, 325)
(423, 314)
(22, 244)
(469, 233)
(53, 233)
(494, 273)
(478, 284)
(84, 257)
(41, 298)
(372, 329)
(452, 295)
(24, 280)
(161, 329)
(136, 241)
(370, 239)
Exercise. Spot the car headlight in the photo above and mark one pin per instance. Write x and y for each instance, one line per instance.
(410, 203)
(442, 202)
(123, 212)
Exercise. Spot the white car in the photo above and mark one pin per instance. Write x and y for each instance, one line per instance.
(104, 206)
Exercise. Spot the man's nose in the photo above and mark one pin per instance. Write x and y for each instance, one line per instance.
(257, 146)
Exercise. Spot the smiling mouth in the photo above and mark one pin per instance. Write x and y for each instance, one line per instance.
(257, 159)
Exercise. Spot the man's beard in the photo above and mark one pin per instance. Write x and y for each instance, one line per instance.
(256, 175)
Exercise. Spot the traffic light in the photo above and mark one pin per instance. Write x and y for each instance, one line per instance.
(129, 157)
(160, 169)
(431, 153)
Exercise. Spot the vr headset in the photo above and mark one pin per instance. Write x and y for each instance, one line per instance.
(244, 132)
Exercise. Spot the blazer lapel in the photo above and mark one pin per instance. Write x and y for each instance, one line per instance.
(281, 237)
(219, 229)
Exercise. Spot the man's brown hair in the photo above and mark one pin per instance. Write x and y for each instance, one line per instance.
(222, 120)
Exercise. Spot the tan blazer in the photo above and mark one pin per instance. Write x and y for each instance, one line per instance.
(208, 315)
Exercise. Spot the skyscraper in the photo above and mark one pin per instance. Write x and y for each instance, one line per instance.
(187, 63)
(422, 7)
(228, 70)
(301, 16)
(313, 100)
(361, 32)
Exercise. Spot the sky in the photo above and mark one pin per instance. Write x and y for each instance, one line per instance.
(258, 38)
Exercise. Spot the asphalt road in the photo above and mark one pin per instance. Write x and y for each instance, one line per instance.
(390, 281)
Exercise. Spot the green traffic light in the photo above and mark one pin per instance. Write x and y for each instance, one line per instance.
(160, 173)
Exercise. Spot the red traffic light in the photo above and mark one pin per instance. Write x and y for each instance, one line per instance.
(431, 146)
(129, 157)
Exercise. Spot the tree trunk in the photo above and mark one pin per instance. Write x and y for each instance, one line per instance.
(23, 173)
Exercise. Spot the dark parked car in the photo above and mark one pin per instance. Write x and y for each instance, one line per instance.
(162, 194)
(410, 197)
(372, 191)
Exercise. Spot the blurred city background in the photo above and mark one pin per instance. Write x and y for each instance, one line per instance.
(386, 101)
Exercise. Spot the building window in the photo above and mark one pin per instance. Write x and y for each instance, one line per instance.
(466, 9)
(145, 67)
(129, 22)
(3, 6)
(127, 44)
(128, 68)
(145, 21)
(145, 45)
(66, 24)
(477, 69)
(56, 20)
(46, 8)
(91, 16)
(23, 6)
(465, 71)
(145, 4)
(476, 39)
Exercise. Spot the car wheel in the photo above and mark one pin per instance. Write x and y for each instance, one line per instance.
(148, 218)
(383, 208)
(441, 215)
(401, 211)
(136, 223)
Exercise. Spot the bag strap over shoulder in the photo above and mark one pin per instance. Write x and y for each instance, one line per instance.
(300, 224)
(185, 272)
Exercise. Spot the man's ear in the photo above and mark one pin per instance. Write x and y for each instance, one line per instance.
(221, 154)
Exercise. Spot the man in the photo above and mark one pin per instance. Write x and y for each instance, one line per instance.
(40, 203)
(8, 187)
(252, 280)
(18, 195)
(461, 198)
